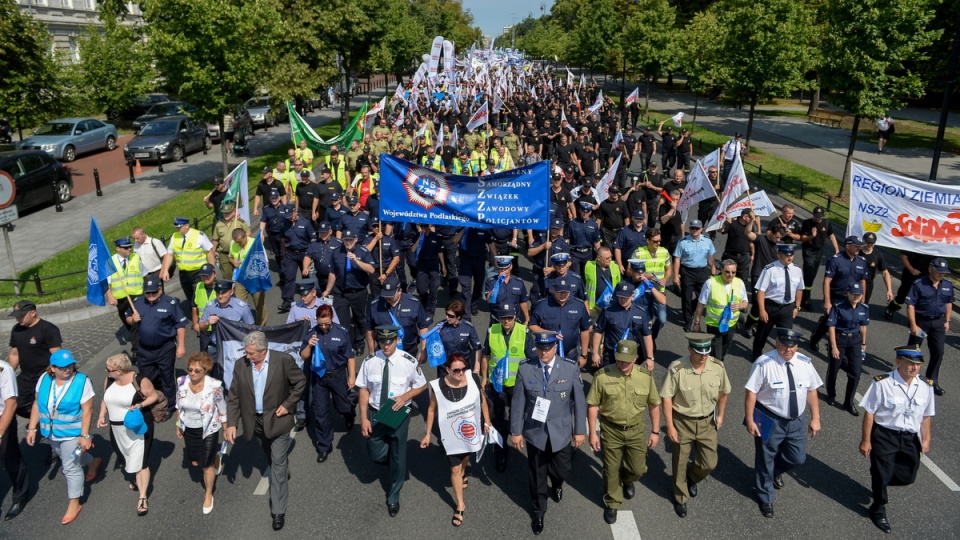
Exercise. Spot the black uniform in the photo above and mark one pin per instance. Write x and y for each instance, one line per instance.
(428, 250)
(297, 239)
(847, 320)
(738, 247)
(157, 350)
(930, 308)
(812, 251)
(350, 299)
(337, 349)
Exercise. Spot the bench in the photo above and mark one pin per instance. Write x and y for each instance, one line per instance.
(826, 118)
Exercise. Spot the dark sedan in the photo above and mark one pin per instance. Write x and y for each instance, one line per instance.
(168, 139)
(35, 174)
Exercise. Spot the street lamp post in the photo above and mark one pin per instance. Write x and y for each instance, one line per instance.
(623, 83)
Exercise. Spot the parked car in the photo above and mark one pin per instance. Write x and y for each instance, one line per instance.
(263, 113)
(34, 173)
(162, 110)
(66, 138)
(167, 139)
(139, 107)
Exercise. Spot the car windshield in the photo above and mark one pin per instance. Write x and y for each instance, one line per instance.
(258, 102)
(56, 128)
(159, 128)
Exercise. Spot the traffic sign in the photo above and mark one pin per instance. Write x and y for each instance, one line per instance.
(8, 214)
(8, 189)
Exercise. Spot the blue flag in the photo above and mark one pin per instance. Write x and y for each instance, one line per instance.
(436, 354)
(319, 361)
(606, 298)
(499, 373)
(725, 318)
(400, 333)
(99, 266)
(254, 271)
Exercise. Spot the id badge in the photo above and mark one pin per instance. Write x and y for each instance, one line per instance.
(540, 409)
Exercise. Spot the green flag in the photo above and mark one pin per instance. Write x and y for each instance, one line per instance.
(299, 130)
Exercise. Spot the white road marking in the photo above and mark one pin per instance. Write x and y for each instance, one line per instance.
(626, 526)
(264, 484)
(937, 471)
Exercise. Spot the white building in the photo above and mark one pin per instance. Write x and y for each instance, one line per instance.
(67, 19)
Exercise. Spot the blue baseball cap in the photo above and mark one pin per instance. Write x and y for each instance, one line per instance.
(855, 288)
(133, 420)
(507, 309)
(223, 285)
(304, 286)
(62, 358)
(563, 285)
(940, 265)
(557, 223)
(855, 240)
(207, 270)
(696, 224)
(390, 287)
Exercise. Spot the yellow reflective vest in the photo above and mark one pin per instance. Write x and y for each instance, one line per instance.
(719, 300)
(127, 281)
(498, 349)
(189, 254)
(590, 280)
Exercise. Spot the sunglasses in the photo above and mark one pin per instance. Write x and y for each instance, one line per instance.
(195, 370)
(451, 315)
(324, 324)
(458, 371)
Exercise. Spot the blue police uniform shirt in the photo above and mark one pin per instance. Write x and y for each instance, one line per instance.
(929, 301)
(321, 253)
(502, 238)
(300, 311)
(334, 217)
(447, 231)
(356, 278)
(542, 259)
(848, 319)
(513, 292)
(474, 246)
(461, 338)
(335, 345)
(277, 218)
(539, 236)
(628, 240)
(694, 253)
(582, 234)
(844, 272)
(159, 321)
(569, 319)
(406, 235)
(578, 290)
(300, 234)
(358, 223)
(408, 312)
(373, 205)
(235, 310)
(387, 249)
(428, 252)
(615, 320)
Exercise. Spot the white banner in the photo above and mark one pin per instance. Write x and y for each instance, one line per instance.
(633, 96)
(596, 104)
(607, 180)
(677, 119)
(479, 118)
(759, 202)
(699, 187)
(435, 56)
(736, 186)
(448, 59)
(905, 213)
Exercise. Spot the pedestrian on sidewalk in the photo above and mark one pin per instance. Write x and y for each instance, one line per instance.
(885, 128)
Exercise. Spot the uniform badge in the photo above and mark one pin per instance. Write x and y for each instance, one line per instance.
(561, 381)
(562, 394)
(33, 340)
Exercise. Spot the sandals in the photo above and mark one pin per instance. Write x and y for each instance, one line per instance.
(132, 487)
(142, 507)
(466, 481)
(457, 518)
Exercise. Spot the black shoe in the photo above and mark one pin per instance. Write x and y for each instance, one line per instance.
(556, 494)
(751, 331)
(852, 409)
(14, 511)
(937, 390)
(610, 515)
(766, 510)
(537, 524)
(778, 481)
(814, 346)
(881, 522)
(322, 456)
(301, 423)
(349, 421)
(284, 307)
(680, 509)
(692, 488)
(888, 315)
(831, 401)
(501, 465)
(629, 491)
(474, 310)
(393, 509)
(277, 521)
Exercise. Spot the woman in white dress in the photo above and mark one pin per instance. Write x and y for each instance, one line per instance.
(201, 412)
(119, 396)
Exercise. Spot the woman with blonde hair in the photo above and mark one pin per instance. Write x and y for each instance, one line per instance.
(201, 413)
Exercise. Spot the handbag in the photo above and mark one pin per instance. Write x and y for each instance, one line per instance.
(158, 409)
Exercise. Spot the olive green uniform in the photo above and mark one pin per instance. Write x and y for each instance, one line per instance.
(695, 396)
(223, 235)
(622, 402)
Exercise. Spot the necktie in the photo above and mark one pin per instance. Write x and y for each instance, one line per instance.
(123, 264)
(794, 403)
(786, 286)
(420, 244)
(385, 383)
(546, 373)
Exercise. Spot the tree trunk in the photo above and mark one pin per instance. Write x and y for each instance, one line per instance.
(853, 146)
(646, 105)
(669, 79)
(754, 99)
(224, 153)
(814, 101)
(345, 100)
(696, 104)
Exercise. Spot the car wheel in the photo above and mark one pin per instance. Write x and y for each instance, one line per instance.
(63, 191)
(177, 153)
(111, 143)
(69, 153)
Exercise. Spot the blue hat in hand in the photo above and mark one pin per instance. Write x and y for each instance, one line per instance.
(133, 420)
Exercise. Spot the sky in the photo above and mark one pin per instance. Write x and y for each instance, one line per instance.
(492, 15)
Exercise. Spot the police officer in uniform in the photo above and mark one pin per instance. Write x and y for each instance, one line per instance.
(224, 306)
(275, 221)
(162, 335)
(475, 249)
(459, 336)
(570, 319)
(396, 308)
(405, 381)
(629, 239)
(842, 270)
(191, 249)
(583, 234)
(386, 257)
(430, 265)
(764, 253)
(336, 381)
(618, 396)
(847, 327)
(351, 268)
(320, 254)
(560, 268)
(448, 241)
(623, 320)
(297, 239)
(509, 289)
(509, 340)
(875, 264)
(913, 265)
(694, 401)
(694, 262)
(9, 442)
(126, 283)
(929, 306)
(898, 409)
(547, 392)
(779, 290)
(780, 386)
(540, 252)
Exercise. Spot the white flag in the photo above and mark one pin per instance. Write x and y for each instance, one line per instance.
(759, 202)
(378, 107)
(479, 118)
(618, 138)
(435, 56)
(677, 119)
(604, 184)
(399, 121)
(399, 95)
(453, 138)
(569, 79)
(698, 189)
(596, 104)
(497, 103)
(448, 59)
(583, 80)
(635, 95)
(736, 186)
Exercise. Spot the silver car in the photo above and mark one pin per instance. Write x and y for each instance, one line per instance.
(66, 138)
(262, 113)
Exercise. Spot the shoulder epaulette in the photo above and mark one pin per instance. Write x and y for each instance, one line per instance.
(643, 369)
(881, 377)
(762, 360)
(769, 265)
(571, 361)
(675, 367)
(470, 324)
(929, 381)
(409, 357)
(806, 359)
(408, 296)
(715, 361)
(369, 356)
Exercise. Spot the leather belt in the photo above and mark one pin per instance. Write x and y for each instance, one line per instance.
(620, 427)
(580, 250)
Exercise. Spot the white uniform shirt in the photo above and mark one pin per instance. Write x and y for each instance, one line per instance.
(405, 374)
(8, 385)
(772, 283)
(897, 405)
(151, 254)
(768, 380)
(731, 149)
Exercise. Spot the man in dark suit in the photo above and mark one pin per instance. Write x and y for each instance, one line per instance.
(547, 393)
(265, 390)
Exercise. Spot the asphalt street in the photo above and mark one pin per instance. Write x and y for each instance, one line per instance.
(344, 497)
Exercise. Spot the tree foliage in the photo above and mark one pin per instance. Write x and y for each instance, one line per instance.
(649, 38)
(303, 57)
(114, 67)
(596, 31)
(699, 50)
(446, 18)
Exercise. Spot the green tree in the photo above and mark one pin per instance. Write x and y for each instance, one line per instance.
(597, 30)
(115, 67)
(402, 42)
(446, 18)
(768, 47)
(216, 53)
(870, 49)
(32, 89)
(649, 38)
(303, 58)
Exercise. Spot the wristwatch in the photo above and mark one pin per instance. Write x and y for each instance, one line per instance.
(655, 432)
(87, 436)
